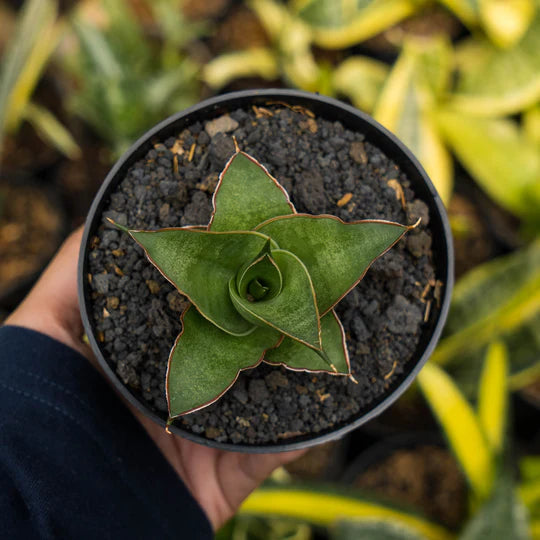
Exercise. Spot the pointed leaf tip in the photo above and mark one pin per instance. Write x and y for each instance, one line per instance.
(205, 362)
(336, 254)
(297, 357)
(246, 195)
(200, 264)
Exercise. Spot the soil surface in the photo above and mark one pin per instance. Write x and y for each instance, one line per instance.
(426, 478)
(325, 169)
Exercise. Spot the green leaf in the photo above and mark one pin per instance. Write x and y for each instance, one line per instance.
(256, 62)
(500, 158)
(502, 517)
(336, 254)
(247, 195)
(293, 355)
(293, 312)
(374, 530)
(326, 506)
(200, 265)
(484, 87)
(205, 362)
(360, 78)
(460, 426)
(417, 80)
(493, 396)
(338, 24)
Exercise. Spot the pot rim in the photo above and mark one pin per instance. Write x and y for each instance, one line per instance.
(375, 133)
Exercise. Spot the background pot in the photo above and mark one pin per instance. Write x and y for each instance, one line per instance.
(329, 109)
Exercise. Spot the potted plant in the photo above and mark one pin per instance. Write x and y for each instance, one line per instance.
(328, 159)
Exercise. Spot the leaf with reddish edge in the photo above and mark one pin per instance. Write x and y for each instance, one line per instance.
(246, 195)
(200, 265)
(293, 312)
(205, 362)
(336, 254)
(297, 357)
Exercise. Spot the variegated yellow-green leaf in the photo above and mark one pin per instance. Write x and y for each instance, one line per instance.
(36, 36)
(493, 396)
(531, 124)
(484, 87)
(246, 195)
(200, 264)
(499, 156)
(298, 357)
(341, 23)
(205, 362)
(336, 254)
(291, 40)
(360, 79)
(51, 130)
(256, 62)
(293, 312)
(466, 10)
(326, 507)
(460, 426)
(406, 101)
(505, 21)
(499, 300)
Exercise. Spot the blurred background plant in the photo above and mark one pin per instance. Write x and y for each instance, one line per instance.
(459, 82)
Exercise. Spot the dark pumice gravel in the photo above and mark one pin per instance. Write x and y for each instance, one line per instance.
(326, 169)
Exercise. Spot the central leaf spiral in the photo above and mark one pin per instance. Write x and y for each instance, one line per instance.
(260, 279)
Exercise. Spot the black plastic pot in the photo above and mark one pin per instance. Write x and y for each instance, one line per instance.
(329, 109)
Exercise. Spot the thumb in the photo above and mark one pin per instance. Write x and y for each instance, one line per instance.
(52, 306)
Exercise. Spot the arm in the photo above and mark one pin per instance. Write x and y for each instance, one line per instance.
(219, 481)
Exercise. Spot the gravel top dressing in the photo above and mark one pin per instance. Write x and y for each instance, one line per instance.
(325, 169)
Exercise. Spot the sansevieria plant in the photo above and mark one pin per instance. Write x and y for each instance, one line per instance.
(263, 281)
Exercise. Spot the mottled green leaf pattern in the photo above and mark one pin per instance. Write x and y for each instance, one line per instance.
(205, 361)
(336, 254)
(247, 195)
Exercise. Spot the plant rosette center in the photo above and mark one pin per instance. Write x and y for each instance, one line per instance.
(263, 281)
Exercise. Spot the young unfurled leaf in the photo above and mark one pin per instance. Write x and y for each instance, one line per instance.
(336, 254)
(205, 362)
(247, 195)
(296, 356)
(262, 279)
(259, 275)
(293, 311)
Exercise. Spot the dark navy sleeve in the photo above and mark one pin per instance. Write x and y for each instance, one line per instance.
(74, 462)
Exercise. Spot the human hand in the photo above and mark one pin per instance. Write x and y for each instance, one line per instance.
(218, 480)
